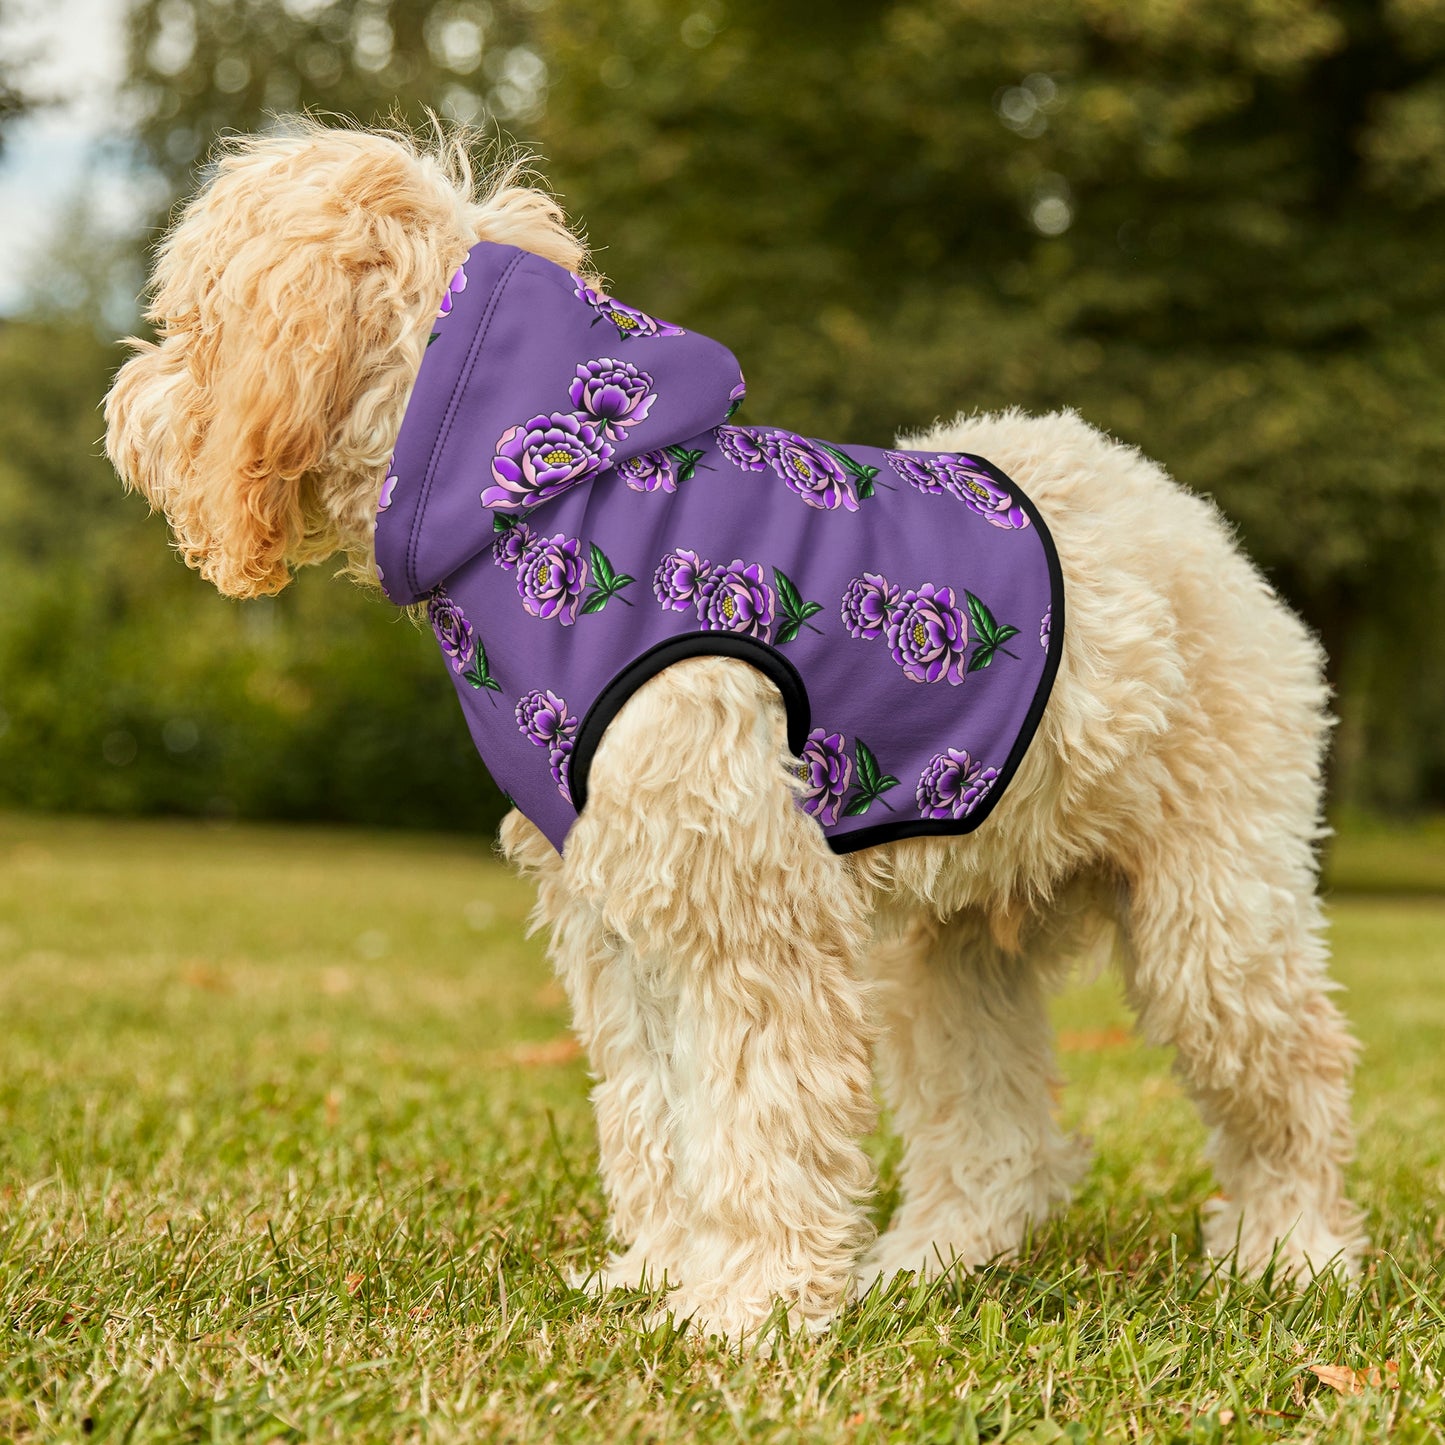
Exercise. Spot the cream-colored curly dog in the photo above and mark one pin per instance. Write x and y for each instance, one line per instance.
(732, 986)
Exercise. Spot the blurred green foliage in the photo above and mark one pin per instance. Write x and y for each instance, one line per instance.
(127, 685)
(1215, 227)
(14, 99)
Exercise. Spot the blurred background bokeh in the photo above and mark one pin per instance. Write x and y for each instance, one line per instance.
(1214, 227)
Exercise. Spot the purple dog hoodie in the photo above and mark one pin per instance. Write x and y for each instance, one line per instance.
(572, 502)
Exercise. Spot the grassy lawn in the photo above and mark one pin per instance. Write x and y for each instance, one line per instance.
(293, 1145)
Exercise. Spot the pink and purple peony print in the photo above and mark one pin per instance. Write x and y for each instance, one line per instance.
(649, 472)
(826, 773)
(867, 604)
(821, 475)
(734, 598)
(455, 287)
(961, 477)
(452, 629)
(928, 635)
(545, 457)
(677, 579)
(512, 546)
(737, 598)
(616, 393)
(739, 444)
(953, 784)
(925, 627)
(545, 722)
(628, 320)
(809, 470)
(551, 575)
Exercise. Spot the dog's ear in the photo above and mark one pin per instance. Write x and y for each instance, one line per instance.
(291, 302)
(224, 421)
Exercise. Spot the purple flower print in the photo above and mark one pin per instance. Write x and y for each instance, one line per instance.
(973, 486)
(867, 603)
(453, 630)
(550, 577)
(917, 471)
(808, 470)
(455, 287)
(559, 759)
(953, 785)
(736, 397)
(649, 472)
(616, 392)
(826, 772)
(388, 489)
(544, 719)
(928, 635)
(677, 579)
(545, 457)
(735, 598)
(628, 320)
(510, 549)
(740, 446)
(1046, 626)
(545, 723)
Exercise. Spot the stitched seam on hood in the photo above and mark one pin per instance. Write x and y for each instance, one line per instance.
(438, 446)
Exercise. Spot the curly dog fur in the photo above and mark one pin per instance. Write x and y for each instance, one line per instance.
(732, 983)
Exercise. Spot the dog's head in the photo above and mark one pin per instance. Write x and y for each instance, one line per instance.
(292, 302)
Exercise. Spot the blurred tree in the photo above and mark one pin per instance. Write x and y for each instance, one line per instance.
(1216, 227)
(127, 685)
(201, 67)
(14, 99)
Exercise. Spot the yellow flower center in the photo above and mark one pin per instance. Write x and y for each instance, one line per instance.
(920, 636)
(802, 468)
(544, 574)
(729, 608)
(557, 457)
(624, 322)
(977, 488)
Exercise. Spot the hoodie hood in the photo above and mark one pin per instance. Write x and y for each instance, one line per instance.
(505, 346)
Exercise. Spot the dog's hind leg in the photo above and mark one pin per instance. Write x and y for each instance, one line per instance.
(745, 929)
(1228, 965)
(625, 1031)
(966, 1060)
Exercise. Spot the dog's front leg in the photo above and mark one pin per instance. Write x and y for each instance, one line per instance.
(743, 930)
(625, 1029)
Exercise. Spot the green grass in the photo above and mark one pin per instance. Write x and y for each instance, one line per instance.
(291, 1147)
(1369, 855)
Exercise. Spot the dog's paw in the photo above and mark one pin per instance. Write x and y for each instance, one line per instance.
(741, 1323)
(632, 1270)
(1298, 1245)
(916, 1252)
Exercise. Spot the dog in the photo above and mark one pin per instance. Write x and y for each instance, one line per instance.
(733, 977)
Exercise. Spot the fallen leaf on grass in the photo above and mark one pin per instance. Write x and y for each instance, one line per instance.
(354, 1283)
(561, 1050)
(197, 973)
(1090, 1041)
(1345, 1381)
(550, 995)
